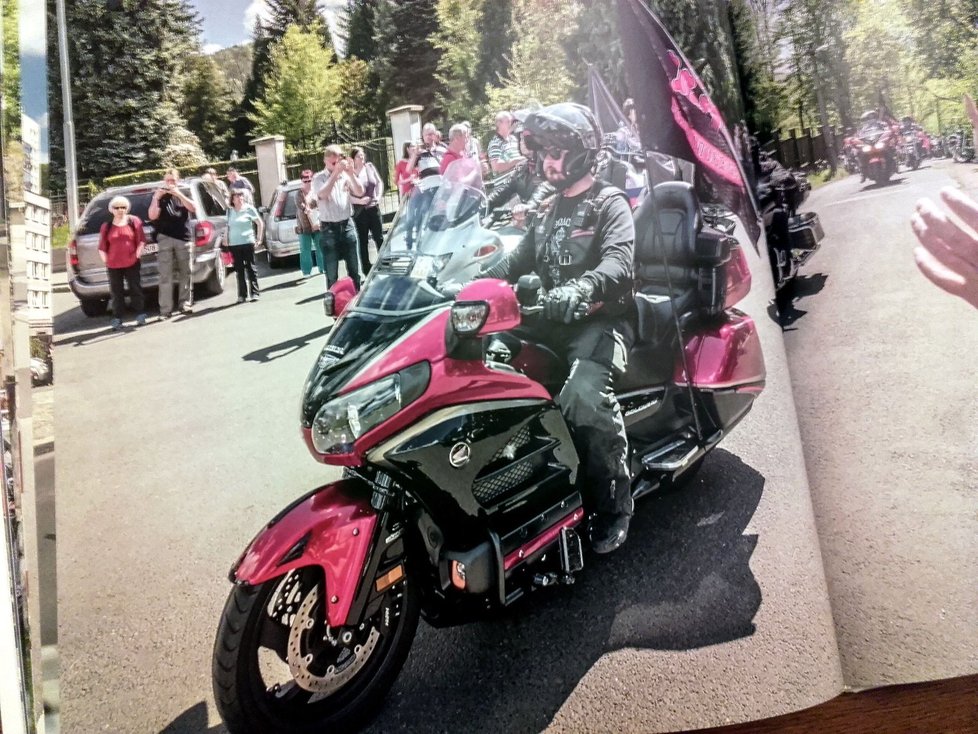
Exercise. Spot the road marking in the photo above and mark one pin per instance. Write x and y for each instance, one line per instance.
(876, 194)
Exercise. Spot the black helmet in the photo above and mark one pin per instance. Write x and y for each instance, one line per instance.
(870, 116)
(566, 126)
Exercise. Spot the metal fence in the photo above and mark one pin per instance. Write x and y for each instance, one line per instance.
(379, 151)
(808, 148)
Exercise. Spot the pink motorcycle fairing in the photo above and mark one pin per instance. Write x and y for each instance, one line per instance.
(333, 528)
(727, 355)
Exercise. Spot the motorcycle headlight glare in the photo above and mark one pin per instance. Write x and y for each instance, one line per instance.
(880, 146)
(341, 421)
(867, 149)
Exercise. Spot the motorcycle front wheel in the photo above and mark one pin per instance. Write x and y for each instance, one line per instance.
(279, 667)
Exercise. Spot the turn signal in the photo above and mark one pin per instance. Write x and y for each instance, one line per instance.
(468, 318)
(458, 574)
(390, 578)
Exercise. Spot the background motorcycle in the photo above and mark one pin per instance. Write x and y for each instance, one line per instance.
(460, 493)
(878, 153)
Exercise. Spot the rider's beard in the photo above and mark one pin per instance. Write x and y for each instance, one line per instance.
(553, 174)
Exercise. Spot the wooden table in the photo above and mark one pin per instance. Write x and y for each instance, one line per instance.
(939, 707)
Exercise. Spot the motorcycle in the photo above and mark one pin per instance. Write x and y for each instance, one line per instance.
(961, 146)
(877, 153)
(792, 237)
(460, 491)
(850, 154)
(911, 151)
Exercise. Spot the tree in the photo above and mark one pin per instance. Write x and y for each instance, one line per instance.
(124, 99)
(461, 87)
(206, 105)
(302, 87)
(538, 69)
(11, 70)
(495, 42)
(357, 93)
(358, 28)
(182, 150)
(235, 63)
(406, 57)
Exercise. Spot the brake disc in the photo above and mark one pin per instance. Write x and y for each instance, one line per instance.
(350, 657)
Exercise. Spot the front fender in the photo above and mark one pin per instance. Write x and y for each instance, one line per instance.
(332, 527)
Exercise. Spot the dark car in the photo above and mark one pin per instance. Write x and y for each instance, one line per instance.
(87, 275)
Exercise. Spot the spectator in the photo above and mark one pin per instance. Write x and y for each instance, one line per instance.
(430, 153)
(120, 246)
(337, 235)
(171, 211)
(457, 139)
(237, 181)
(432, 140)
(948, 252)
(504, 151)
(211, 177)
(242, 217)
(307, 218)
(473, 150)
(405, 172)
(366, 210)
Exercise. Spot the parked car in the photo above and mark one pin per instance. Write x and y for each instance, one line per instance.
(87, 275)
(281, 239)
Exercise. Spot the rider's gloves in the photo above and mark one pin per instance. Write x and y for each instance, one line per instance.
(562, 302)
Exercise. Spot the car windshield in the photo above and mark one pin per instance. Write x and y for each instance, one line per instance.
(97, 212)
(436, 243)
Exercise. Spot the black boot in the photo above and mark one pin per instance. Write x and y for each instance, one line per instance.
(608, 531)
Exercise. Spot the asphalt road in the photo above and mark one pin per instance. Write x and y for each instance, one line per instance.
(883, 367)
(177, 441)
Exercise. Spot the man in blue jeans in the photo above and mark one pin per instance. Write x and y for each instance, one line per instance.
(337, 234)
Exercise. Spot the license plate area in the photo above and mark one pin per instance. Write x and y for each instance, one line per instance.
(150, 248)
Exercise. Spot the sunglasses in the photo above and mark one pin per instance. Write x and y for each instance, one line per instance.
(123, 208)
(552, 152)
(306, 180)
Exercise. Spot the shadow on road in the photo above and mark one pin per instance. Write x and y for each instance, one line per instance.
(282, 349)
(310, 299)
(875, 186)
(783, 309)
(682, 581)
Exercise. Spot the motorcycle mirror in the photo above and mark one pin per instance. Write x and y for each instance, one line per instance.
(528, 290)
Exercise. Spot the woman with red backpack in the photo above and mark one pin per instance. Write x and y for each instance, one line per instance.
(120, 246)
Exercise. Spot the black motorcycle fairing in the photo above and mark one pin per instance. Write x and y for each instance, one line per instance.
(357, 339)
(478, 465)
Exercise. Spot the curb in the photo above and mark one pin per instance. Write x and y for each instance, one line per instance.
(43, 447)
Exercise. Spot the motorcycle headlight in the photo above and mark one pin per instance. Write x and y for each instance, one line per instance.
(342, 420)
(867, 149)
(880, 146)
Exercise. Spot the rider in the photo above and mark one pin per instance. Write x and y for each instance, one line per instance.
(582, 247)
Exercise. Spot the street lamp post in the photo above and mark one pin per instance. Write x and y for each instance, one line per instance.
(71, 172)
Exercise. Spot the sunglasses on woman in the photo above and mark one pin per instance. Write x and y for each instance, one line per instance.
(120, 208)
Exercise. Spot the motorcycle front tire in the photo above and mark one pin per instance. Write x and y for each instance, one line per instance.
(247, 706)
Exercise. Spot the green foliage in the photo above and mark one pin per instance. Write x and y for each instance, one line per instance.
(11, 70)
(182, 150)
(457, 73)
(302, 87)
(121, 126)
(538, 69)
(60, 236)
(156, 174)
(235, 63)
(406, 57)
(595, 40)
(357, 94)
(358, 27)
(206, 104)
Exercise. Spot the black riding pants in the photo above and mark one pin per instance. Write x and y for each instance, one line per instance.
(595, 351)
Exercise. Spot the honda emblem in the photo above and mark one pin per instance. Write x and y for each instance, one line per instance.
(459, 455)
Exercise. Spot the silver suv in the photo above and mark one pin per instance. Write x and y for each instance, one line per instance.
(87, 275)
(281, 239)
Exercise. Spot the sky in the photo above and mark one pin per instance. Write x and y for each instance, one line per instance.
(33, 70)
(229, 22)
(224, 23)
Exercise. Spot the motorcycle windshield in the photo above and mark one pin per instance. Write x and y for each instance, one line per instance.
(435, 244)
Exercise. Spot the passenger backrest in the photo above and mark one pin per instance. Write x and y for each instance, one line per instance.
(695, 254)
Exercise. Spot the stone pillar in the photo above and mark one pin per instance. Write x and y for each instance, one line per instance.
(405, 126)
(270, 152)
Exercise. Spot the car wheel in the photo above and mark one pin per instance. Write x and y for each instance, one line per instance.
(214, 285)
(94, 307)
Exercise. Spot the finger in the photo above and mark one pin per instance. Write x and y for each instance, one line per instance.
(951, 278)
(930, 223)
(933, 243)
(962, 205)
